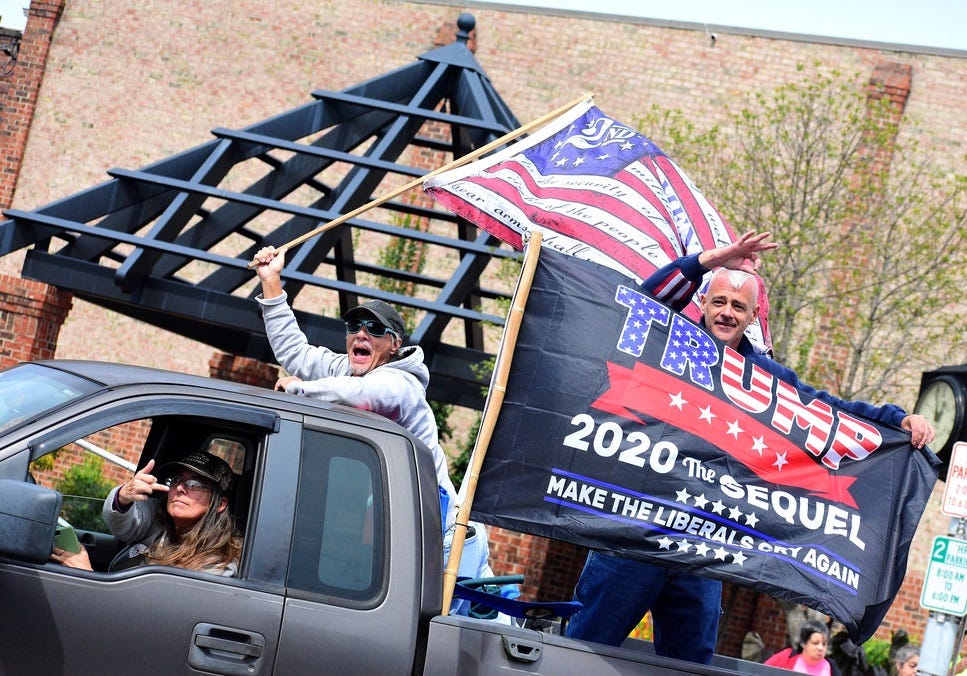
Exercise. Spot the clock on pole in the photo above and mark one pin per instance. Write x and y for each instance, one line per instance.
(942, 401)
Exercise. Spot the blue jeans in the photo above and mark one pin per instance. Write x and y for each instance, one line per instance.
(616, 593)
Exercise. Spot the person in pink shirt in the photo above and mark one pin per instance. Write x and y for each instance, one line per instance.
(809, 657)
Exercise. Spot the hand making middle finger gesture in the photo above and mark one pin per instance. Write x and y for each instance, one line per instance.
(141, 486)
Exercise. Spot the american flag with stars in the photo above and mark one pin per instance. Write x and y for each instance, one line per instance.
(596, 189)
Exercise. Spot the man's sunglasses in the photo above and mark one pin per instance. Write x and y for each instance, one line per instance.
(374, 328)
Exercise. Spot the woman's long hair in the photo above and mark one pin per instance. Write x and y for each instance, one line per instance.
(212, 543)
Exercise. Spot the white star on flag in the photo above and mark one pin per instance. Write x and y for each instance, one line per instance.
(677, 401)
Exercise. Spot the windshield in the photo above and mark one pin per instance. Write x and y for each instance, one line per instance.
(30, 389)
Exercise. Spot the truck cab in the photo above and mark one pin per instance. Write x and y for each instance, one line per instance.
(341, 567)
(314, 488)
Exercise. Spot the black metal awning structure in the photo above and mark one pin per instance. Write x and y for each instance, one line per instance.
(169, 244)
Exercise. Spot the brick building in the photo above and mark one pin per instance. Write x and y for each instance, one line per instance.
(100, 84)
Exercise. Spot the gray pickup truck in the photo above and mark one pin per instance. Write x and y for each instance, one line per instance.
(341, 569)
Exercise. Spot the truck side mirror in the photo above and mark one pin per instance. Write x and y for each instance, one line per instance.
(28, 518)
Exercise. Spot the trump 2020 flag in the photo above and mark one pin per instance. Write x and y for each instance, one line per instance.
(627, 427)
(596, 189)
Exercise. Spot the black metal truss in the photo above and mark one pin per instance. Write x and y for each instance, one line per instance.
(169, 244)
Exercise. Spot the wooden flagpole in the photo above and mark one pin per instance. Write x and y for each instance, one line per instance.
(460, 161)
(505, 356)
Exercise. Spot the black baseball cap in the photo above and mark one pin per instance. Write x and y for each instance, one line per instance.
(383, 311)
(205, 465)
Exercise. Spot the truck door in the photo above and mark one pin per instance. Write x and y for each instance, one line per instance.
(355, 575)
(147, 619)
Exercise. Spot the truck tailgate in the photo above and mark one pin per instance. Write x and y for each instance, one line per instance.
(465, 646)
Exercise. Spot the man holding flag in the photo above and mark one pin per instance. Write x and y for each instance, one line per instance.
(617, 592)
(377, 373)
(627, 428)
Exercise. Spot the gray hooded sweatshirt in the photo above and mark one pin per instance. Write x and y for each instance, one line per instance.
(395, 390)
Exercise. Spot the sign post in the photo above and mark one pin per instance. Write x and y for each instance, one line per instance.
(945, 584)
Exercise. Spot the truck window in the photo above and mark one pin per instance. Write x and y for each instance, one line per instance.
(85, 468)
(28, 390)
(338, 545)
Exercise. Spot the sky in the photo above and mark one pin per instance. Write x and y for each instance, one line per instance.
(11, 14)
(926, 23)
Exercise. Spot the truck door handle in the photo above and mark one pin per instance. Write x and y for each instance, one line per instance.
(225, 650)
(228, 646)
(521, 650)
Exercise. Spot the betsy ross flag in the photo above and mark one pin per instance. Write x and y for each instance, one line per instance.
(626, 427)
(596, 189)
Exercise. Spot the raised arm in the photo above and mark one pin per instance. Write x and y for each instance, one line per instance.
(742, 254)
(269, 269)
(675, 283)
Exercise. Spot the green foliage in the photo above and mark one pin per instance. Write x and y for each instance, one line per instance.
(404, 254)
(878, 653)
(458, 468)
(85, 480)
(459, 465)
(44, 463)
(441, 412)
(872, 226)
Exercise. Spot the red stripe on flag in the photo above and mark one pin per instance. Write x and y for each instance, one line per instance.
(478, 217)
(645, 191)
(616, 207)
(663, 166)
(625, 254)
(648, 390)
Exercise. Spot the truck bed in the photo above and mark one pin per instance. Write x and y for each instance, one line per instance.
(467, 646)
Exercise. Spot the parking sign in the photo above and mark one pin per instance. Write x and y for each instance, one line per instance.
(945, 584)
(955, 488)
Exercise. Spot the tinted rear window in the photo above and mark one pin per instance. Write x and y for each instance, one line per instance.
(338, 546)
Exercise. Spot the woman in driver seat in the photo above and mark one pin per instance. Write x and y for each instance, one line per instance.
(193, 528)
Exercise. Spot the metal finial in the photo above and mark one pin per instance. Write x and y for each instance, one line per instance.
(465, 24)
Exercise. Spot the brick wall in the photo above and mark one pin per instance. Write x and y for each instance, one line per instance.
(237, 369)
(19, 92)
(125, 440)
(31, 315)
(129, 84)
(198, 66)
